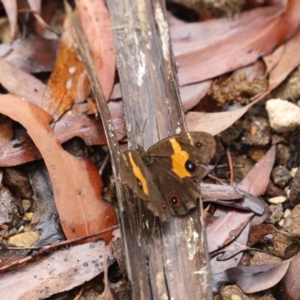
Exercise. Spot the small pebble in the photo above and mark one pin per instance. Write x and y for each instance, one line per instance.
(281, 176)
(280, 223)
(25, 239)
(26, 204)
(28, 216)
(21, 229)
(293, 172)
(278, 199)
(287, 212)
(284, 116)
(235, 297)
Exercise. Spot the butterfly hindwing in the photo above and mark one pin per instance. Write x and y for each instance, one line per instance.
(179, 163)
(139, 178)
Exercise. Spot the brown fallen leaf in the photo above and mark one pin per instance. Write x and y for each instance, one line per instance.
(234, 250)
(286, 64)
(290, 282)
(214, 191)
(252, 279)
(257, 180)
(6, 130)
(214, 123)
(16, 152)
(68, 82)
(273, 58)
(208, 49)
(259, 231)
(226, 228)
(89, 129)
(31, 55)
(76, 182)
(60, 271)
(21, 83)
(192, 94)
(97, 27)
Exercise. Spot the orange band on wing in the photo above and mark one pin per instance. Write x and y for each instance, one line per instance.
(179, 159)
(138, 174)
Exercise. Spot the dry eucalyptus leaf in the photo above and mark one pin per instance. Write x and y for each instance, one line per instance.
(76, 182)
(61, 271)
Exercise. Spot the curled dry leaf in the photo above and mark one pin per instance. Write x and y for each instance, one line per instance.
(234, 250)
(21, 83)
(192, 94)
(61, 271)
(16, 152)
(206, 50)
(76, 182)
(291, 282)
(97, 27)
(252, 279)
(214, 123)
(31, 55)
(226, 228)
(257, 180)
(259, 231)
(90, 130)
(68, 82)
(214, 191)
(287, 63)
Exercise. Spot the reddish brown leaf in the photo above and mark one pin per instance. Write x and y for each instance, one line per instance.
(272, 59)
(257, 180)
(83, 126)
(226, 228)
(14, 154)
(245, 202)
(215, 191)
(6, 130)
(214, 123)
(287, 63)
(97, 27)
(61, 271)
(208, 49)
(291, 280)
(252, 279)
(192, 94)
(76, 182)
(31, 55)
(68, 82)
(218, 266)
(257, 232)
(21, 83)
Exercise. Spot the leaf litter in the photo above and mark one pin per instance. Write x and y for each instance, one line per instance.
(206, 53)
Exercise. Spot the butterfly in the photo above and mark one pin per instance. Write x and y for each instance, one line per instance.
(167, 175)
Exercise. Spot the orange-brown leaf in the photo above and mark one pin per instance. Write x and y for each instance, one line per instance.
(76, 182)
(208, 49)
(68, 82)
(97, 27)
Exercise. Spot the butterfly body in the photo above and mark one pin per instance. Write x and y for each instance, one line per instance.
(167, 175)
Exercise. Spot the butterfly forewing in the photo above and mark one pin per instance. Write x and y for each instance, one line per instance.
(138, 177)
(179, 163)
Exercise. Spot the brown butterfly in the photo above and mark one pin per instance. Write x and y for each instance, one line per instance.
(167, 176)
